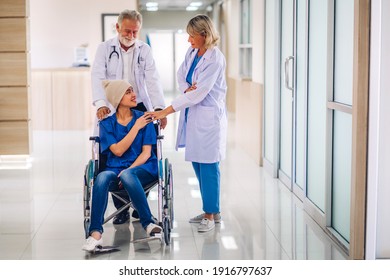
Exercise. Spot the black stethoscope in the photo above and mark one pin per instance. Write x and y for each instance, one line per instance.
(114, 52)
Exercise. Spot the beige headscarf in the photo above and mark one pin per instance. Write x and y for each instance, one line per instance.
(115, 89)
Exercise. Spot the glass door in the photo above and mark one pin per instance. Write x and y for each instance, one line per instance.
(293, 95)
(286, 91)
(308, 105)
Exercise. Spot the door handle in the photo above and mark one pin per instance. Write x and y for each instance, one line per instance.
(286, 73)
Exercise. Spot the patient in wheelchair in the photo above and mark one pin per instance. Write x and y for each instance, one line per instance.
(127, 138)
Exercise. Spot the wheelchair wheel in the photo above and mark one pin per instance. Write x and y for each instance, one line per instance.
(167, 231)
(166, 165)
(87, 222)
(88, 181)
(169, 193)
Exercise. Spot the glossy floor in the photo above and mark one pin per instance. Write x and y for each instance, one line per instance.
(41, 209)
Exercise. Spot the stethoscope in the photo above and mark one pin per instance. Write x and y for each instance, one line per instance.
(113, 52)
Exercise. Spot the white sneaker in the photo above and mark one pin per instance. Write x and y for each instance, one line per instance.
(206, 225)
(199, 218)
(152, 229)
(91, 244)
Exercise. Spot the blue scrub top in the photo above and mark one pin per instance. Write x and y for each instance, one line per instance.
(190, 74)
(111, 132)
(191, 71)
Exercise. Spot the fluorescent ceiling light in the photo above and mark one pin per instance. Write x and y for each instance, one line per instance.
(151, 4)
(152, 9)
(190, 8)
(196, 4)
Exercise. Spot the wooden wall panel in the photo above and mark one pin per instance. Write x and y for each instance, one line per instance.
(14, 69)
(14, 103)
(14, 137)
(13, 34)
(14, 77)
(14, 8)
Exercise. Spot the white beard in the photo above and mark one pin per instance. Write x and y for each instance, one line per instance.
(127, 43)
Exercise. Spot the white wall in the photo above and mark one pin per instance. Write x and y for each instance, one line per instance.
(258, 30)
(167, 20)
(378, 207)
(232, 34)
(58, 26)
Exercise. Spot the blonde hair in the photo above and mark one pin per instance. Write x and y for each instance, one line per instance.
(202, 25)
(132, 15)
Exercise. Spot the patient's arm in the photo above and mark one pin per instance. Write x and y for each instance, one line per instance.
(142, 158)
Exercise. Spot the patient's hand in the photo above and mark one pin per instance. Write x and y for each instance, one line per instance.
(142, 121)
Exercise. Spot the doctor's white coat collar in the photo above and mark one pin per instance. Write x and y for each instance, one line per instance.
(206, 55)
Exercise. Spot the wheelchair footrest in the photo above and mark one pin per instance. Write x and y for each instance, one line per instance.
(147, 239)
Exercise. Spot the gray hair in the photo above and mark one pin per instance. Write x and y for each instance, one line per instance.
(202, 25)
(132, 15)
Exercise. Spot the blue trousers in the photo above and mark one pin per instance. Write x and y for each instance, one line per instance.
(208, 175)
(133, 181)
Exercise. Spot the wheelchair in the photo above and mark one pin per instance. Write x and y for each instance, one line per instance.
(164, 183)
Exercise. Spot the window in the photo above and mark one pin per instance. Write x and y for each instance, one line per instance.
(245, 46)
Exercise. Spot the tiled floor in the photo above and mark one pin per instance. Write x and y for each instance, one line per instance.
(41, 213)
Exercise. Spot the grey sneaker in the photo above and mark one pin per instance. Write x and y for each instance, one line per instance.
(206, 225)
(199, 218)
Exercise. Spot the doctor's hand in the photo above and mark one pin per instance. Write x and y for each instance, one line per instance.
(156, 115)
(160, 115)
(191, 88)
(102, 112)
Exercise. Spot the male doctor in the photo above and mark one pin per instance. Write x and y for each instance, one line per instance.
(126, 58)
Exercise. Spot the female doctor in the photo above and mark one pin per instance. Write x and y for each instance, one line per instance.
(203, 120)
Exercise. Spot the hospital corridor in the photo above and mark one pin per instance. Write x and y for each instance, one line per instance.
(303, 84)
(42, 209)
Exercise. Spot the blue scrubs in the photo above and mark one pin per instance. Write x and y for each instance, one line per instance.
(133, 179)
(112, 132)
(208, 174)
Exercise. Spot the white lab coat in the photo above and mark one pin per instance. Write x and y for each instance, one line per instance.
(204, 133)
(150, 90)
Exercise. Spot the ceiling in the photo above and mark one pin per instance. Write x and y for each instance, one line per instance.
(175, 5)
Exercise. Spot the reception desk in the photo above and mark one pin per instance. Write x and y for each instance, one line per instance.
(61, 99)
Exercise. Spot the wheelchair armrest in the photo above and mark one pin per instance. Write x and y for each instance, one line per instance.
(95, 138)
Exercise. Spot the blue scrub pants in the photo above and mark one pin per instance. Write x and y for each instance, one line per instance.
(209, 182)
(133, 181)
